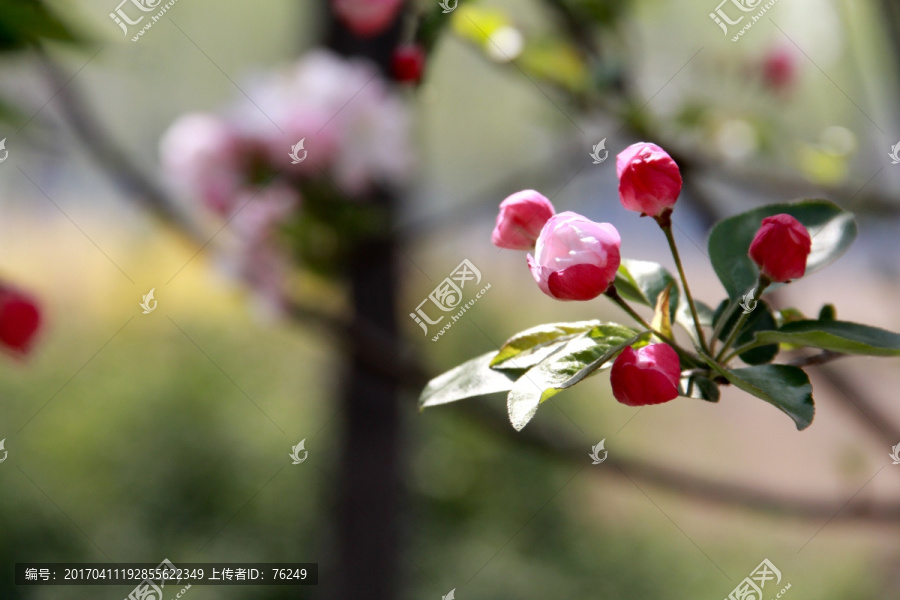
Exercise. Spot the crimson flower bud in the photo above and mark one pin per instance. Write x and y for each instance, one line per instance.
(408, 63)
(649, 180)
(521, 218)
(20, 319)
(779, 69)
(649, 375)
(575, 258)
(781, 247)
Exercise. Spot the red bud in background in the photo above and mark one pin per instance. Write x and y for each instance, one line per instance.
(408, 63)
(20, 319)
(779, 69)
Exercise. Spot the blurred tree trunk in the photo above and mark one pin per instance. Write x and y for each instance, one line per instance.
(369, 473)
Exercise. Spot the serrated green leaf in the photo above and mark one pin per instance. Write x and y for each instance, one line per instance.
(784, 386)
(832, 230)
(472, 378)
(576, 360)
(537, 337)
(835, 336)
(643, 281)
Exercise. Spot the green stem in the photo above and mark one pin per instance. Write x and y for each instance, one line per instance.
(720, 325)
(613, 294)
(665, 223)
(761, 285)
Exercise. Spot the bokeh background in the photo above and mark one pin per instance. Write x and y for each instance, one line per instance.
(134, 438)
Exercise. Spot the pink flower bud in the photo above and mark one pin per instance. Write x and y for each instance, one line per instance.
(649, 180)
(366, 18)
(408, 63)
(20, 319)
(575, 258)
(521, 218)
(647, 376)
(781, 247)
(779, 69)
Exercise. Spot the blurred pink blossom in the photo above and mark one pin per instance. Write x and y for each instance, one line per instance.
(356, 133)
(201, 154)
(356, 127)
(366, 17)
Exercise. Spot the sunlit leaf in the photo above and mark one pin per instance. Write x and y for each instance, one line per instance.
(578, 359)
(472, 378)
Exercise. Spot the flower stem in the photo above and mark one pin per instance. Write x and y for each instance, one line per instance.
(613, 294)
(723, 319)
(665, 223)
(761, 285)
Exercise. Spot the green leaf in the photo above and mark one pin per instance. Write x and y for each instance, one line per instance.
(700, 387)
(538, 337)
(579, 358)
(472, 378)
(642, 281)
(760, 319)
(828, 313)
(555, 60)
(25, 22)
(835, 336)
(832, 230)
(784, 386)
